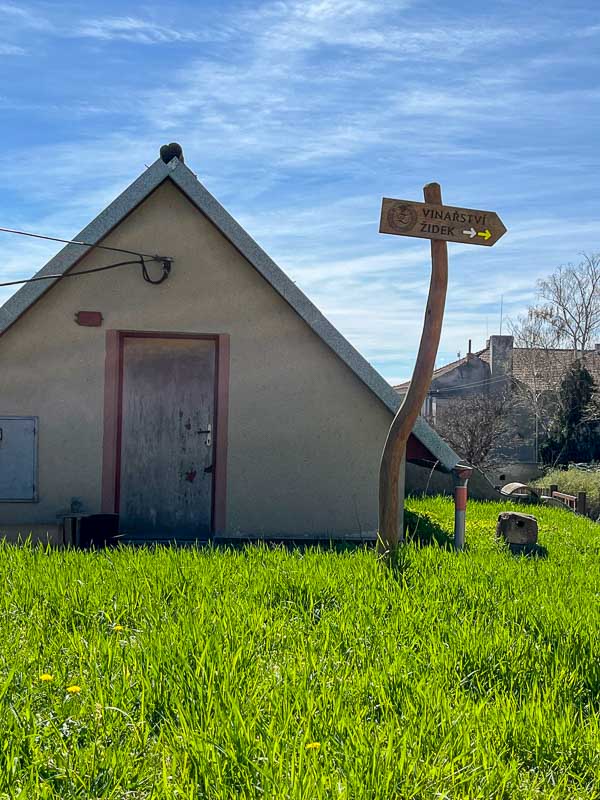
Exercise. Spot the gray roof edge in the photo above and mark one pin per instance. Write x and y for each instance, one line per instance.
(112, 215)
(295, 297)
(185, 179)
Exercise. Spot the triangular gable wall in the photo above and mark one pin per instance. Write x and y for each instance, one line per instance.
(185, 179)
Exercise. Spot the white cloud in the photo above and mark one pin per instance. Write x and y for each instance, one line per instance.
(11, 50)
(312, 100)
(589, 30)
(119, 28)
(21, 16)
(140, 31)
(368, 25)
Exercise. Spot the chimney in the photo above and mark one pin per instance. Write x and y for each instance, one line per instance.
(470, 351)
(501, 356)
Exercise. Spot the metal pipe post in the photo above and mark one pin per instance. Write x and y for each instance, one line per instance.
(461, 474)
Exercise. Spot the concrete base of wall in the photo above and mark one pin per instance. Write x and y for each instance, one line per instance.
(516, 472)
(44, 534)
(422, 480)
(368, 537)
(51, 534)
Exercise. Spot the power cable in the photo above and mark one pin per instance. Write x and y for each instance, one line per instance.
(470, 385)
(141, 258)
(499, 379)
(84, 244)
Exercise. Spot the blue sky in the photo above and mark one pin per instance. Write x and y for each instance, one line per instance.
(299, 117)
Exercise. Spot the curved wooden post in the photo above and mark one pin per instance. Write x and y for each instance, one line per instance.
(403, 423)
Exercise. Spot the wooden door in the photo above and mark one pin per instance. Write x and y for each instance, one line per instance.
(167, 437)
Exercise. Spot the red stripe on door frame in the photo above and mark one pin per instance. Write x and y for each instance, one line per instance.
(113, 415)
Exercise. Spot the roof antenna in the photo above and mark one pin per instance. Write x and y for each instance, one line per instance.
(501, 310)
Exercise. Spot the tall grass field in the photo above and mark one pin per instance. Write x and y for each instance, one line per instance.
(264, 673)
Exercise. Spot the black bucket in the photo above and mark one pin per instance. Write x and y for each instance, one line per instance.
(91, 531)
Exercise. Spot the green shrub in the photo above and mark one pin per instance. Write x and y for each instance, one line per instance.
(572, 481)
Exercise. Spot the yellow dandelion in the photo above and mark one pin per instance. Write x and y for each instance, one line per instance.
(118, 628)
(46, 677)
(73, 689)
(313, 746)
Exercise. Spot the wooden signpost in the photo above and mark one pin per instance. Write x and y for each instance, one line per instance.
(431, 221)
(441, 224)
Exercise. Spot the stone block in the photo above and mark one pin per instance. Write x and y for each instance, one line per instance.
(516, 528)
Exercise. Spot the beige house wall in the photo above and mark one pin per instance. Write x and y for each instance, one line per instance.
(305, 434)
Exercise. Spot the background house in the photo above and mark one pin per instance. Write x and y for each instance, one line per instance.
(525, 373)
(219, 402)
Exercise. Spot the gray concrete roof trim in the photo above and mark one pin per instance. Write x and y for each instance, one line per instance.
(185, 179)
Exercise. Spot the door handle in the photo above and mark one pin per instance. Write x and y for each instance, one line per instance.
(208, 433)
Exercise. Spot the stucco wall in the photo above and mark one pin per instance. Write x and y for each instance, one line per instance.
(305, 435)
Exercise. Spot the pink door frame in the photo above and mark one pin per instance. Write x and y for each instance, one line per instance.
(113, 413)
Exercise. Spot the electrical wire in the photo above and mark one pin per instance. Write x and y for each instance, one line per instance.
(500, 379)
(141, 258)
(469, 385)
(85, 244)
(67, 275)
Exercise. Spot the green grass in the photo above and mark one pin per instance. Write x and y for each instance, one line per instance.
(470, 675)
(573, 480)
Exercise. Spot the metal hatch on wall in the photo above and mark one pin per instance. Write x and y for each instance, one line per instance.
(18, 459)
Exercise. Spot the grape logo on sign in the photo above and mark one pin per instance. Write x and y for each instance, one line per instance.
(402, 217)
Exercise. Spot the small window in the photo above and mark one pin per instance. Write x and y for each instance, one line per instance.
(18, 459)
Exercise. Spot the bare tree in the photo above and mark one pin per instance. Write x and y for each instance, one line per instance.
(537, 338)
(477, 425)
(571, 302)
(567, 315)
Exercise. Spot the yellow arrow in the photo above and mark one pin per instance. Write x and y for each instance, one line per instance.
(486, 234)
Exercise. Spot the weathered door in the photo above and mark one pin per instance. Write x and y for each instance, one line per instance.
(167, 435)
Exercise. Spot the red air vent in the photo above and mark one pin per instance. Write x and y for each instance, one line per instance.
(91, 319)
